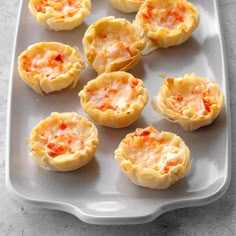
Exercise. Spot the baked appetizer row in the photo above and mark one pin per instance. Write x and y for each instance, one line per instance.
(161, 23)
(116, 99)
(68, 141)
(115, 44)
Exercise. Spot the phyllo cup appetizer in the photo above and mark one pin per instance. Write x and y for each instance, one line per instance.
(63, 142)
(50, 66)
(114, 99)
(153, 159)
(165, 23)
(126, 6)
(111, 44)
(190, 101)
(60, 14)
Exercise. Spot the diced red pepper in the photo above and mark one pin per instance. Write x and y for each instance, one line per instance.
(143, 133)
(161, 140)
(52, 154)
(172, 163)
(70, 2)
(90, 91)
(145, 16)
(134, 83)
(70, 14)
(55, 149)
(179, 97)
(106, 106)
(63, 126)
(38, 8)
(166, 169)
(149, 10)
(207, 105)
(59, 57)
(168, 164)
(51, 145)
(177, 16)
(111, 90)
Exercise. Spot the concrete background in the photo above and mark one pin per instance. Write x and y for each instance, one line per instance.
(218, 218)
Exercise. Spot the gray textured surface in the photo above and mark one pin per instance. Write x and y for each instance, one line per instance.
(218, 218)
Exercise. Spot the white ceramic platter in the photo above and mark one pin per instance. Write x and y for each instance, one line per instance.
(99, 193)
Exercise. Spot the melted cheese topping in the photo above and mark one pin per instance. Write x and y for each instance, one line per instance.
(199, 97)
(117, 95)
(111, 47)
(67, 8)
(63, 136)
(151, 149)
(48, 63)
(168, 18)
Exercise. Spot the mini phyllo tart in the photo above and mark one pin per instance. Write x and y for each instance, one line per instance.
(50, 66)
(126, 6)
(60, 14)
(153, 159)
(190, 101)
(114, 99)
(63, 142)
(112, 44)
(165, 23)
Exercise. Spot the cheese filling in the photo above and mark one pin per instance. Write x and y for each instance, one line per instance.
(168, 18)
(151, 149)
(63, 137)
(198, 98)
(67, 8)
(117, 96)
(111, 47)
(49, 64)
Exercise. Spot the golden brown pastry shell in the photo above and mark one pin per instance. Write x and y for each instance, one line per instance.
(52, 20)
(115, 25)
(111, 118)
(147, 176)
(189, 120)
(161, 37)
(39, 82)
(63, 162)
